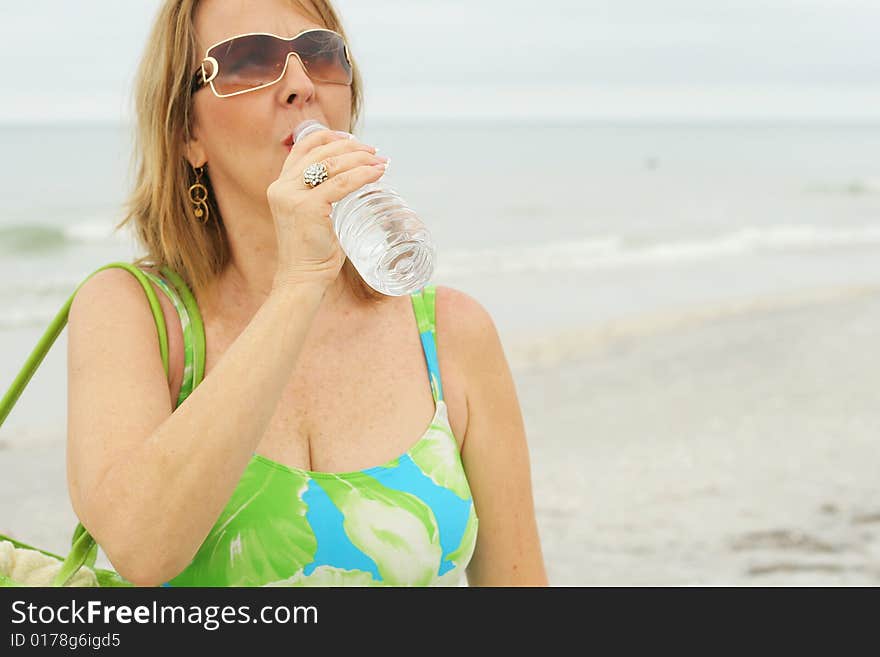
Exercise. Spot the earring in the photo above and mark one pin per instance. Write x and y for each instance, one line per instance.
(198, 195)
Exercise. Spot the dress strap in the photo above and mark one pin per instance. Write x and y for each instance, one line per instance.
(423, 305)
(189, 355)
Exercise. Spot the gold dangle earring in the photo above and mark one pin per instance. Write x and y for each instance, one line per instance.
(198, 196)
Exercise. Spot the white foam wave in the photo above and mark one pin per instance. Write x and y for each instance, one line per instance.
(611, 252)
(26, 317)
(575, 255)
(49, 285)
(94, 231)
(855, 187)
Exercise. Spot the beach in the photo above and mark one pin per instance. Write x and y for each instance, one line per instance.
(690, 314)
(736, 446)
(728, 445)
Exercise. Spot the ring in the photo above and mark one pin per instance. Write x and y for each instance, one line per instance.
(315, 174)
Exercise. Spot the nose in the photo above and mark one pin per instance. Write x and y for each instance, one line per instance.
(295, 87)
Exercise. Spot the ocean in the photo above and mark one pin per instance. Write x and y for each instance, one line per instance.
(553, 228)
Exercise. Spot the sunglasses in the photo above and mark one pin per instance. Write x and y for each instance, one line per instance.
(248, 62)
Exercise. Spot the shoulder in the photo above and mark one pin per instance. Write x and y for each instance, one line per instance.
(494, 418)
(111, 289)
(467, 331)
(112, 306)
(117, 289)
(109, 318)
(466, 323)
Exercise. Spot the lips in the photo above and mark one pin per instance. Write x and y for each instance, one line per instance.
(288, 141)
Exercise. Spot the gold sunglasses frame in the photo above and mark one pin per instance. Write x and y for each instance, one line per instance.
(206, 81)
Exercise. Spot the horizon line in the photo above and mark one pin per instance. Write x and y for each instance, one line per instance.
(516, 119)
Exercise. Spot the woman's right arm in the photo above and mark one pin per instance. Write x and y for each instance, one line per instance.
(148, 481)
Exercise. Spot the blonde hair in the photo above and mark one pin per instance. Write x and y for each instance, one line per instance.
(159, 205)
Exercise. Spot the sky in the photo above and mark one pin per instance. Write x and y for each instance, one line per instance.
(555, 60)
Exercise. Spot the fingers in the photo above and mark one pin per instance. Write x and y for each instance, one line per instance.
(315, 139)
(339, 186)
(336, 164)
(319, 146)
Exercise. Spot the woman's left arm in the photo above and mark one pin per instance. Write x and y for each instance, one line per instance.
(495, 453)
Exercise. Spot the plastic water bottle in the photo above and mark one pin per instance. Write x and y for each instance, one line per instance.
(385, 240)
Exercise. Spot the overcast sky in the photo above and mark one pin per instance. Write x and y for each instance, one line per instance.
(641, 59)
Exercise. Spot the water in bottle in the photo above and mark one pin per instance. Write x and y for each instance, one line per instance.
(385, 240)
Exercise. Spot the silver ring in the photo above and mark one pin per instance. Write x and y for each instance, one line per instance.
(315, 174)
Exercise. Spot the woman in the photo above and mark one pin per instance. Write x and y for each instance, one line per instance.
(293, 461)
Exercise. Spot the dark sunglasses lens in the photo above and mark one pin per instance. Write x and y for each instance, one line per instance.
(248, 62)
(323, 54)
(258, 59)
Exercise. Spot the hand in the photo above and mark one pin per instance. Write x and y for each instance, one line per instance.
(308, 249)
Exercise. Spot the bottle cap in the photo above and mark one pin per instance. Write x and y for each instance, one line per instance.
(307, 127)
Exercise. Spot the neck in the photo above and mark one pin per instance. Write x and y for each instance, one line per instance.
(245, 283)
(243, 286)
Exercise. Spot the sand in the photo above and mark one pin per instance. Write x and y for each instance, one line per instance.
(732, 445)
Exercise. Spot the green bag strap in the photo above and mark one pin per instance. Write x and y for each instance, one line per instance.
(84, 549)
(60, 321)
(195, 320)
(82, 553)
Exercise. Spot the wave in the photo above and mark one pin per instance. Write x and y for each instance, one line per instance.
(592, 253)
(855, 187)
(39, 238)
(615, 251)
(31, 295)
(27, 317)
